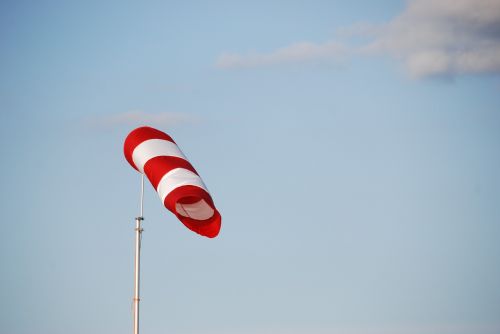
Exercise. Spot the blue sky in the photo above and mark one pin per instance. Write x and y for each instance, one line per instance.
(352, 149)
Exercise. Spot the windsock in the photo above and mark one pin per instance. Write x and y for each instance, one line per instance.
(182, 191)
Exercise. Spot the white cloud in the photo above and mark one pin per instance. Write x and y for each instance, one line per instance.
(430, 38)
(139, 118)
(298, 52)
(444, 37)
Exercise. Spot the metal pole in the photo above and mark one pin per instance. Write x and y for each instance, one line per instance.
(137, 264)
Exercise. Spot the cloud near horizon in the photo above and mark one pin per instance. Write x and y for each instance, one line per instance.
(492, 328)
(139, 118)
(430, 38)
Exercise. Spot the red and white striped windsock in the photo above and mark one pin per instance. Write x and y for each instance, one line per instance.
(179, 186)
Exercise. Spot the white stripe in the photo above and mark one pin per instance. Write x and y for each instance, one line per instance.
(199, 210)
(176, 178)
(154, 148)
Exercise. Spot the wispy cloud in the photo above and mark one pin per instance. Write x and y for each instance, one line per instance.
(298, 52)
(415, 329)
(430, 38)
(138, 118)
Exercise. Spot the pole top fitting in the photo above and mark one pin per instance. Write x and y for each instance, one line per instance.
(139, 218)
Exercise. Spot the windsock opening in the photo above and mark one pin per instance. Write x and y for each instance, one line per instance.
(195, 208)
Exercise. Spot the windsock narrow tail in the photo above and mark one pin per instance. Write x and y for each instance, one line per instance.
(179, 186)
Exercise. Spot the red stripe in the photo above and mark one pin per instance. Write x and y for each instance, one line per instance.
(157, 167)
(139, 135)
(209, 227)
